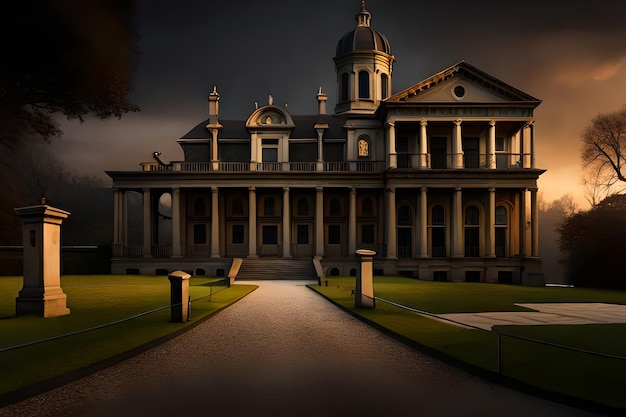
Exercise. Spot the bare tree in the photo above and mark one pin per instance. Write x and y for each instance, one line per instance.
(604, 155)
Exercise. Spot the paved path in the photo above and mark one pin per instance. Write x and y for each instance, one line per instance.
(284, 351)
(546, 313)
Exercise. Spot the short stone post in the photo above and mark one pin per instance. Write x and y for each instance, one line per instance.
(41, 293)
(179, 296)
(364, 293)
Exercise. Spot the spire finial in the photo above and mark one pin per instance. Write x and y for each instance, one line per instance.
(363, 18)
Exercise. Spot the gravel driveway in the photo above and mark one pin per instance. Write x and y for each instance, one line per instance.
(284, 351)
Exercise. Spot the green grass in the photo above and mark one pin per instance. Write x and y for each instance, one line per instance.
(588, 377)
(95, 301)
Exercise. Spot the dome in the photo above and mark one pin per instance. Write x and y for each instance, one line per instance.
(363, 37)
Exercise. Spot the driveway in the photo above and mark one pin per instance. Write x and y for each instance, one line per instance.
(284, 351)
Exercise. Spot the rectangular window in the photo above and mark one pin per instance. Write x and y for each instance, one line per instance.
(270, 154)
(303, 234)
(199, 234)
(439, 242)
(238, 236)
(270, 235)
(367, 233)
(334, 234)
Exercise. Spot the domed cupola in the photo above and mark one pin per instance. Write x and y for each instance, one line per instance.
(363, 62)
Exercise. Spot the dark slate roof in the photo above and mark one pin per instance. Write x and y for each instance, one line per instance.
(304, 128)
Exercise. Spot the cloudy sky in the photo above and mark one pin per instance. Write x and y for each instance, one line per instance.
(570, 55)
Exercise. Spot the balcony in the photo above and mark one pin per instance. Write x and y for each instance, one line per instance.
(471, 160)
(350, 166)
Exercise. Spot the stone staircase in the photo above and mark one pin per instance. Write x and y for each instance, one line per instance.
(274, 268)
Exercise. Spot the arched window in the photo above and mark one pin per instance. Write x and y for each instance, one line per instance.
(364, 84)
(364, 146)
(439, 216)
(384, 88)
(472, 216)
(404, 216)
(472, 231)
(335, 207)
(302, 208)
(367, 207)
(501, 232)
(199, 208)
(237, 207)
(345, 87)
(438, 231)
(269, 207)
(501, 216)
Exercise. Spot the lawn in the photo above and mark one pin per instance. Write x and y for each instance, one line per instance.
(96, 300)
(594, 379)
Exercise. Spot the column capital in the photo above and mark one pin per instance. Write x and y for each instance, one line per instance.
(214, 189)
(251, 188)
(492, 123)
(319, 188)
(492, 189)
(391, 189)
(390, 123)
(423, 122)
(424, 189)
(457, 122)
(458, 189)
(286, 189)
(352, 190)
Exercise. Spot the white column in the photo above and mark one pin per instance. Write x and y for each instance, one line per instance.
(491, 224)
(534, 223)
(352, 221)
(424, 159)
(457, 145)
(254, 142)
(252, 223)
(319, 222)
(214, 151)
(215, 223)
(392, 241)
(457, 224)
(147, 224)
(286, 224)
(393, 157)
(491, 148)
(531, 126)
(176, 238)
(424, 223)
(523, 223)
(320, 150)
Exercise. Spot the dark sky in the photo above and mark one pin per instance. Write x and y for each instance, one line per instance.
(570, 55)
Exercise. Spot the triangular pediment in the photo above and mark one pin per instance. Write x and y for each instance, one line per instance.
(461, 83)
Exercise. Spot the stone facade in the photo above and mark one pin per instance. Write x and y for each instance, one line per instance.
(438, 179)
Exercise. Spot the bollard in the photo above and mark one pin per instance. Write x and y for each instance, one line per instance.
(179, 296)
(364, 292)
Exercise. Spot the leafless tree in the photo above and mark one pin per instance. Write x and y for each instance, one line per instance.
(604, 156)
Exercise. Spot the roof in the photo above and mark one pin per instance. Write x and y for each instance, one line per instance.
(470, 72)
(304, 128)
(363, 37)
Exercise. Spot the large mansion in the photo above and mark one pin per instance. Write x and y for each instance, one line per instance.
(438, 178)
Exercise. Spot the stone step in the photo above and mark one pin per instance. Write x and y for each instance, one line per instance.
(263, 268)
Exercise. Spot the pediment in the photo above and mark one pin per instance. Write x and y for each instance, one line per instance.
(461, 83)
(270, 117)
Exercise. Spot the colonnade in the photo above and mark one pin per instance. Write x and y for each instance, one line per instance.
(456, 161)
(528, 219)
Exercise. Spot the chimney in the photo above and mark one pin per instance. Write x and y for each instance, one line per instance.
(321, 102)
(214, 98)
